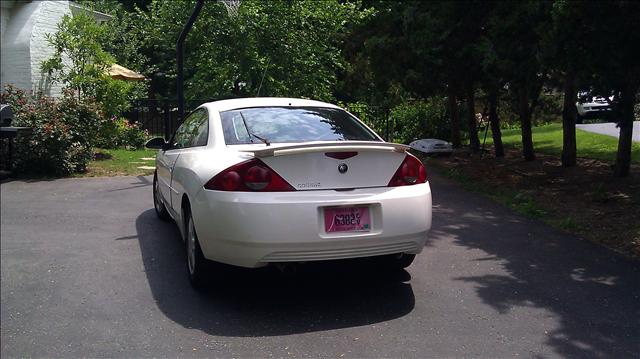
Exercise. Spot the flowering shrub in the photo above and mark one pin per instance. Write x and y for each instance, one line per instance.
(63, 132)
(120, 132)
(133, 136)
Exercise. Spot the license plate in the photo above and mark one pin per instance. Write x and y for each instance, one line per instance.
(347, 219)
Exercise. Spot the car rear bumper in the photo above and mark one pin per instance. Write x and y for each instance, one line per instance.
(593, 111)
(254, 229)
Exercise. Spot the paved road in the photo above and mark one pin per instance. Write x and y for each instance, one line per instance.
(87, 270)
(610, 129)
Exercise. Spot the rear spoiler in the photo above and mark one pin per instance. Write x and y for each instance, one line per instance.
(333, 146)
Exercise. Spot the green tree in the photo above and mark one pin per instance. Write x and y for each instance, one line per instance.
(615, 66)
(516, 29)
(79, 61)
(566, 55)
(429, 48)
(274, 48)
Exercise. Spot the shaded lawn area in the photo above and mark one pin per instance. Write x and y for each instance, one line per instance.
(586, 200)
(120, 162)
(548, 139)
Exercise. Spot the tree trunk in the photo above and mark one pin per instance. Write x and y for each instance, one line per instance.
(569, 113)
(455, 119)
(474, 142)
(525, 125)
(495, 122)
(623, 158)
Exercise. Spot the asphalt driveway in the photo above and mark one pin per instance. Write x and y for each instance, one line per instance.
(610, 129)
(87, 270)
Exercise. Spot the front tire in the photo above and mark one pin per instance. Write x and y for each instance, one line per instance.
(158, 205)
(196, 262)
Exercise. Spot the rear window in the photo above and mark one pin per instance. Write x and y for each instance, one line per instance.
(291, 124)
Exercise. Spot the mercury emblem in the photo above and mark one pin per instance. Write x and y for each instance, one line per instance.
(342, 168)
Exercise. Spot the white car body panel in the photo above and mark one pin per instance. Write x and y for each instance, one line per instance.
(432, 145)
(253, 229)
(164, 167)
(320, 146)
(593, 106)
(314, 171)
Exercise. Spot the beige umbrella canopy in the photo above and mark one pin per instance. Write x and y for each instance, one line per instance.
(122, 73)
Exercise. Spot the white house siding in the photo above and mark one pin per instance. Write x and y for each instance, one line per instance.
(5, 10)
(15, 56)
(50, 13)
(24, 45)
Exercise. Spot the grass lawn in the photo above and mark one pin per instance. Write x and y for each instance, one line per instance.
(548, 139)
(120, 162)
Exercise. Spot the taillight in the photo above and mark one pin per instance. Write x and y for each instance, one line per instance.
(249, 176)
(411, 171)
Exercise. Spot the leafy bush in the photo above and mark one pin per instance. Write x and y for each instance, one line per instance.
(63, 131)
(119, 132)
(549, 108)
(373, 116)
(132, 135)
(420, 119)
(114, 95)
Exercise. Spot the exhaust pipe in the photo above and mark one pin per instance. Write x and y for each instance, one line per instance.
(287, 269)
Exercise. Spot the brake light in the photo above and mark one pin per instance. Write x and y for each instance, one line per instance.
(341, 155)
(411, 171)
(249, 176)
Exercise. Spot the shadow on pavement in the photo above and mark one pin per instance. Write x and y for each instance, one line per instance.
(142, 182)
(593, 293)
(264, 302)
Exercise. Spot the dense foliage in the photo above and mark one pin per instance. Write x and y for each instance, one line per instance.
(408, 68)
(420, 119)
(81, 63)
(63, 131)
(120, 132)
(272, 48)
(525, 56)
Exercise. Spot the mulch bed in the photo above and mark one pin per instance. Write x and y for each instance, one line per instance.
(586, 200)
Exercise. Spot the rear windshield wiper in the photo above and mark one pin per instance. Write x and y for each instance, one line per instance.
(265, 140)
(251, 134)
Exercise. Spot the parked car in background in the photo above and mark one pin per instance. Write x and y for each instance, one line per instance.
(259, 181)
(432, 146)
(591, 107)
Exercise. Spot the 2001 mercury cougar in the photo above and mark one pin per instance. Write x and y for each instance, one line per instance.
(256, 181)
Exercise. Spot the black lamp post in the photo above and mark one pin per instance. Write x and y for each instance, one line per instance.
(180, 57)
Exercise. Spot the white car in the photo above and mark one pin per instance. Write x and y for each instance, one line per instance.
(258, 181)
(432, 146)
(592, 107)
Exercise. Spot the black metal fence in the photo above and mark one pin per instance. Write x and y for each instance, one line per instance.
(376, 117)
(160, 116)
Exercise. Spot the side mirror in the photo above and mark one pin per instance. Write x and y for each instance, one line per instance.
(156, 143)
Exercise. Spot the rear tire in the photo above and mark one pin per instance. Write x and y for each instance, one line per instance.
(399, 261)
(579, 119)
(158, 205)
(196, 262)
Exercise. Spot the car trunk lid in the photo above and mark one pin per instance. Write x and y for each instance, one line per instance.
(332, 165)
